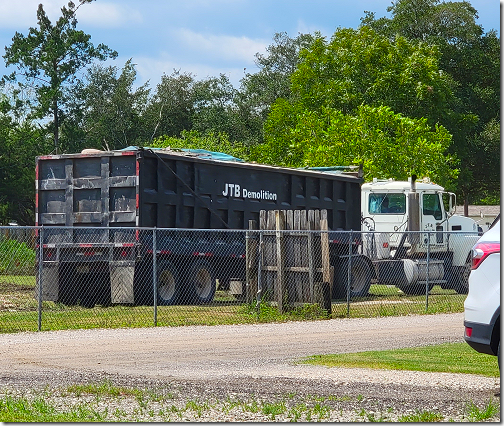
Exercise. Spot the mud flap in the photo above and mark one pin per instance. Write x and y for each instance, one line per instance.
(121, 282)
(50, 283)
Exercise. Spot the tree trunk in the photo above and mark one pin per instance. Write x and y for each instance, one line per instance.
(56, 125)
(466, 205)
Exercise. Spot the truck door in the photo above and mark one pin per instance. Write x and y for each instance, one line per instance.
(433, 214)
(388, 212)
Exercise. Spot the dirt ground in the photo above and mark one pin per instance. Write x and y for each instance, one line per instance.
(255, 360)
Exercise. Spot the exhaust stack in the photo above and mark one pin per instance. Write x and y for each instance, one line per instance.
(413, 214)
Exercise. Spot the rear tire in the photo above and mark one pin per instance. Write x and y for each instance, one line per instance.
(461, 277)
(360, 279)
(168, 291)
(201, 283)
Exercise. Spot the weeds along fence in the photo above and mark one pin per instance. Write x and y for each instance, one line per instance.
(95, 277)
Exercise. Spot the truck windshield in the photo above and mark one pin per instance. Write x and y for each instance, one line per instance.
(387, 203)
(432, 206)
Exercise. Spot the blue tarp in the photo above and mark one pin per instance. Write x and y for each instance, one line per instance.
(201, 153)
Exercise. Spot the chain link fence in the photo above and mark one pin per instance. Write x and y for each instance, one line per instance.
(95, 277)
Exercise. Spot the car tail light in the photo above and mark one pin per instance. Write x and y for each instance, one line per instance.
(481, 251)
(468, 331)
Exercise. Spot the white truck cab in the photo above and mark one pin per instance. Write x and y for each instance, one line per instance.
(390, 208)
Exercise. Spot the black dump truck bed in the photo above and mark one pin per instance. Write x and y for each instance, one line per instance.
(178, 189)
(97, 209)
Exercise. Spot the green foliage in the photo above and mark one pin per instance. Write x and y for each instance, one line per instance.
(355, 101)
(472, 60)
(47, 60)
(20, 142)
(171, 109)
(387, 144)
(421, 416)
(362, 67)
(107, 110)
(16, 258)
(211, 142)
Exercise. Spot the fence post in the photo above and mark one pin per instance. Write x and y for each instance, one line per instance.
(280, 284)
(259, 274)
(154, 273)
(40, 275)
(251, 244)
(427, 274)
(349, 272)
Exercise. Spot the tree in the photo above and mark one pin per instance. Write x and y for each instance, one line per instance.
(272, 81)
(213, 106)
(357, 96)
(259, 90)
(385, 143)
(20, 141)
(107, 110)
(472, 59)
(362, 67)
(171, 109)
(49, 58)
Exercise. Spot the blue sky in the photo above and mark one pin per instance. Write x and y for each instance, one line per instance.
(203, 37)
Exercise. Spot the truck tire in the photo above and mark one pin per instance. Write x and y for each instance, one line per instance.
(201, 283)
(168, 291)
(69, 292)
(360, 279)
(461, 277)
(416, 289)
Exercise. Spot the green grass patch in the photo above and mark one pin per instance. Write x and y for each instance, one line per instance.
(19, 309)
(445, 358)
(38, 410)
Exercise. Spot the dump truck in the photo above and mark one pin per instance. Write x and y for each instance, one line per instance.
(95, 212)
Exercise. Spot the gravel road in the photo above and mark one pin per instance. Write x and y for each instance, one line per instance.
(219, 364)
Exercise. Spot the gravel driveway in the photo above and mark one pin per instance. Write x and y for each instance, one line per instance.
(219, 364)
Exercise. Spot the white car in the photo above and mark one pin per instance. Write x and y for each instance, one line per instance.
(482, 305)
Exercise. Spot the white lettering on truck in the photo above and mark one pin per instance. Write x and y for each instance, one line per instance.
(235, 190)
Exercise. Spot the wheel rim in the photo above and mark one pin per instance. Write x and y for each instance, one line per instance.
(166, 289)
(203, 283)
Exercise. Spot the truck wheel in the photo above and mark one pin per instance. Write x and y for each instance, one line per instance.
(461, 276)
(360, 279)
(414, 289)
(201, 283)
(168, 284)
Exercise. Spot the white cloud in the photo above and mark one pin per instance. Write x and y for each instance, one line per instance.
(152, 69)
(98, 14)
(13, 16)
(107, 15)
(222, 46)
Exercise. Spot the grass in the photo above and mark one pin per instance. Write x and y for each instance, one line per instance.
(19, 309)
(475, 414)
(95, 402)
(446, 358)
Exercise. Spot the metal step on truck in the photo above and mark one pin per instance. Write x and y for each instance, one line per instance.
(96, 210)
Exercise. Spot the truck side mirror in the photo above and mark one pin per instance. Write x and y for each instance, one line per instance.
(450, 203)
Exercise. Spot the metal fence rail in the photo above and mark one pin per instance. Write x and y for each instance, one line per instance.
(70, 277)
